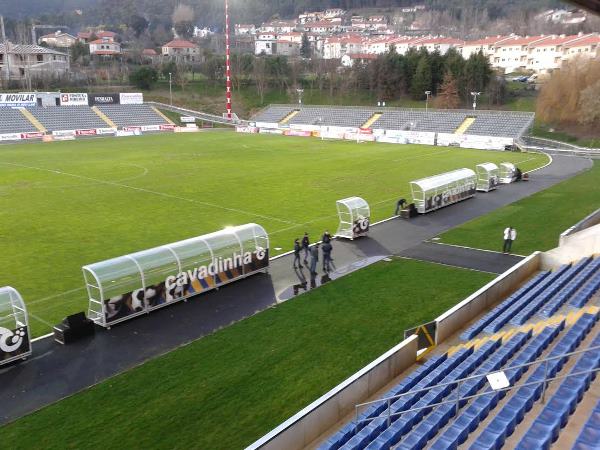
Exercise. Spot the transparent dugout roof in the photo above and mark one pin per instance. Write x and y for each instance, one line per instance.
(12, 308)
(444, 179)
(486, 167)
(127, 273)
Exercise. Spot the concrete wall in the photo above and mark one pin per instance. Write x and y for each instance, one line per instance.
(308, 424)
(589, 221)
(486, 297)
(573, 248)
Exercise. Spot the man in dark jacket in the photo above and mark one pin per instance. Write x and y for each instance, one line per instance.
(297, 254)
(314, 258)
(305, 245)
(326, 237)
(327, 247)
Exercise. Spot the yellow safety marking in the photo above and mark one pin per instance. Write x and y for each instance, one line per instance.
(290, 116)
(157, 111)
(36, 123)
(104, 117)
(465, 125)
(374, 118)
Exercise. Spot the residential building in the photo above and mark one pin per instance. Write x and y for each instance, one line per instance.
(324, 26)
(485, 45)
(278, 26)
(19, 62)
(287, 48)
(244, 29)
(510, 55)
(336, 47)
(546, 55)
(265, 44)
(182, 50)
(105, 47)
(58, 39)
(585, 47)
(440, 44)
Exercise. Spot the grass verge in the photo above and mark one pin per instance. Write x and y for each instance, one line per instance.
(539, 219)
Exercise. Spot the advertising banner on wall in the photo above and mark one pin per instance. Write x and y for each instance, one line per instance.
(450, 196)
(20, 100)
(69, 99)
(13, 343)
(35, 135)
(10, 137)
(131, 98)
(91, 132)
(178, 286)
(167, 127)
(106, 131)
(103, 99)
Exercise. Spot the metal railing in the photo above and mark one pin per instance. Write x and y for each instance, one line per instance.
(457, 400)
(199, 114)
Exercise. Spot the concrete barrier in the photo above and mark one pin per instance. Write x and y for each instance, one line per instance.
(498, 289)
(573, 248)
(587, 222)
(311, 422)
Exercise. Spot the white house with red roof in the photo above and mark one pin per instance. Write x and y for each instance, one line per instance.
(58, 39)
(439, 44)
(485, 45)
(337, 46)
(586, 47)
(511, 54)
(547, 55)
(181, 50)
(349, 60)
(105, 47)
(324, 26)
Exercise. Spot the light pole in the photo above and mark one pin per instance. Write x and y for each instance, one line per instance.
(427, 93)
(171, 88)
(300, 92)
(475, 94)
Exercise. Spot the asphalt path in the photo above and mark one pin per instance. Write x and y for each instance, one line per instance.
(54, 371)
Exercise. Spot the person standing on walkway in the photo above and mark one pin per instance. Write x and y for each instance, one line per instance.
(305, 246)
(327, 247)
(510, 235)
(314, 258)
(297, 253)
(326, 237)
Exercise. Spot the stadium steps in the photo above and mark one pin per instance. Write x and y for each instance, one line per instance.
(465, 125)
(104, 117)
(289, 117)
(160, 113)
(374, 118)
(36, 123)
(536, 327)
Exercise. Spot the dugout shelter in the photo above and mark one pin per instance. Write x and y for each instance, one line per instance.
(441, 190)
(15, 338)
(124, 287)
(487, 176)
(508, 173)
(355, 217)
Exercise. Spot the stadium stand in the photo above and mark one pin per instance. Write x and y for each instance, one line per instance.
(132, 115)
(13, 121)
(533, 339)
(485, 123)
(57, 118)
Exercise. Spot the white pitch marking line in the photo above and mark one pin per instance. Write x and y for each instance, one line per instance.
(422, 155)
(473, 248)
(148, 191)
(41, 300)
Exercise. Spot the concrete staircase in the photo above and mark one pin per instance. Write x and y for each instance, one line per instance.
(289, 117)
(104, 117)
(465, 125)
(374, 118)
(159, 112)
(36, 123)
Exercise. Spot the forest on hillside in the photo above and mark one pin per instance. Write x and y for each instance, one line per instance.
(79, 13)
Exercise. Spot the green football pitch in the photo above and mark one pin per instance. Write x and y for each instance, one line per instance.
(64, 205)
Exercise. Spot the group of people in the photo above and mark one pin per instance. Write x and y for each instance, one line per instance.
(313, 252)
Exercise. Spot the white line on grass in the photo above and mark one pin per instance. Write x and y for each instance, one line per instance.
(149, 191)
(473, 248)
(422, 155)
(60, 294)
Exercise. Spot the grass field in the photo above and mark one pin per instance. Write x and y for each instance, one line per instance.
(228, 389)
(539, 219)
(64, 205)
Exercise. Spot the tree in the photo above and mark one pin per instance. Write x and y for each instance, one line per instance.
(422, 79)
(138, 24)
(477, 74)
(305, 50)
(144, 77)
(79, 50)
(589, 105)
(448, 97)
(497, 90)
(259, 70)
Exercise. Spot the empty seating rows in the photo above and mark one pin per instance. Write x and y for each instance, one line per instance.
(488, 318)
(13, 121)
(555, 415)
(132, 115)
(56, 118)
(535, 303)
(590, 434)
(487, 123)
(513, 412)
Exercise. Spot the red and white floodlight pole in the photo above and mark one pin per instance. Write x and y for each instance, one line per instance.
(227, 60)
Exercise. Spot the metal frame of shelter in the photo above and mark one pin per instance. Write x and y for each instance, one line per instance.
(355, 216)
(441, 190)
(15, 335)
(507, 173)
(488, 176)
(157, 277)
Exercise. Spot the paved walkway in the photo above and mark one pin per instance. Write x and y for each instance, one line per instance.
(468, 258)
(54, 371)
